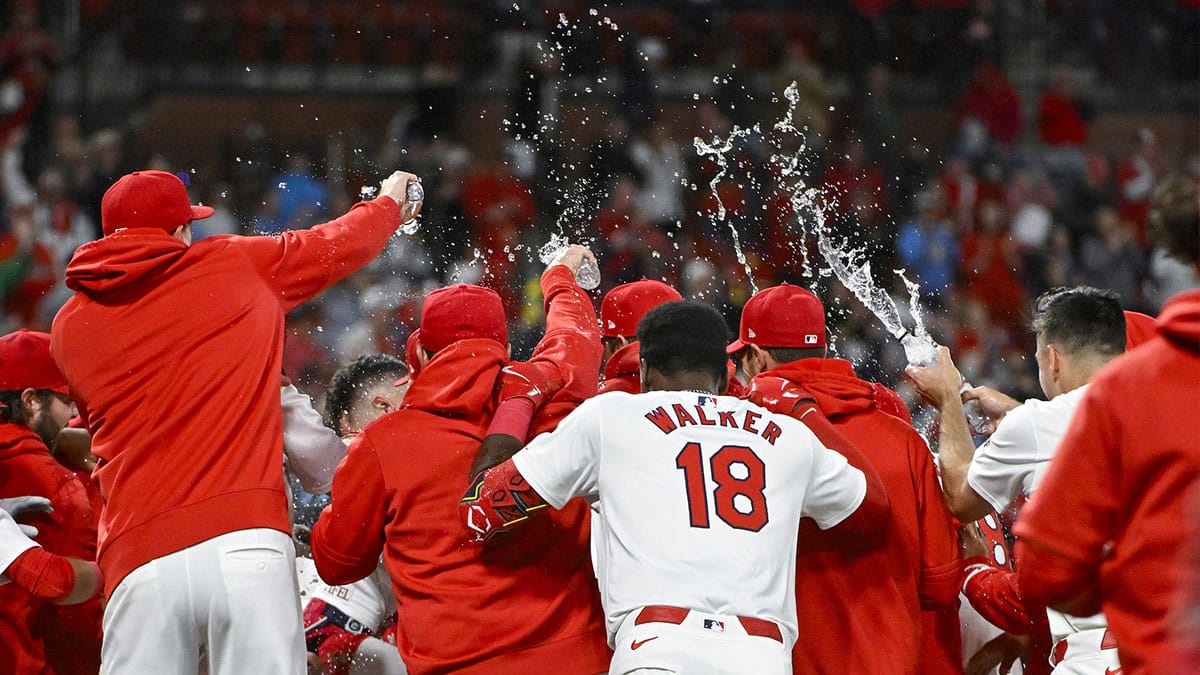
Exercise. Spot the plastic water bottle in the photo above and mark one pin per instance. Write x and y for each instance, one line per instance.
(588, 276)
(414, 196)
(923, 352)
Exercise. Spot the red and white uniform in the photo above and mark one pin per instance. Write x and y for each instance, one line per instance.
(702, 497)
(1108, 525)
(1011, 463)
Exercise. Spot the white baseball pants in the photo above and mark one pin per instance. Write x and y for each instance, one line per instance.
(232, 597)
(702, 643)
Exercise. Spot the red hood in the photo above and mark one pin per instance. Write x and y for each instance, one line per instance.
(1179, 320)
(832, 383)
(16, 439)
(623, 363)
(120, 260)
(460, 380)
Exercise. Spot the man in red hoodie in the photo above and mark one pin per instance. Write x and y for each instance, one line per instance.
(175, 351)
(35, 405)
(781, 345)
(1108, 526)
(620, 311)
(516, 606)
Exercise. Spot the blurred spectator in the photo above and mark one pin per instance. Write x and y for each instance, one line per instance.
(992, 100)
(1112, 259)
(302, 199)
(929, 246)
(1137, 177)
(1062, 114)
(990, 264)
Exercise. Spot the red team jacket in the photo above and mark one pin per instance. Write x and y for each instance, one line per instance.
(26, 468)
(154, 321)
(859, 602)
(524, 604)
(1127, 472)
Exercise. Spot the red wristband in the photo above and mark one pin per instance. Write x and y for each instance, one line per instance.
(513, 417)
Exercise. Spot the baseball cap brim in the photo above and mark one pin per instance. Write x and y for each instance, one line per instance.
(735, 347)
(202, 212)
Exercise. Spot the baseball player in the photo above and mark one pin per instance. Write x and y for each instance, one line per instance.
(782, 346)
(620, 311)
(343, 625)
(702, 498)
(1115, 512)
(175, 349)
(1079, 330)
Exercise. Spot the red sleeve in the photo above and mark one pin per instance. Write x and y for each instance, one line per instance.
(348, 537)
(993, 592)
(571, 344)
(299, 264)
(1066, 524)
(941, 566)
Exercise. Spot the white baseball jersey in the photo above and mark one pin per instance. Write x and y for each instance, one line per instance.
(1013, 461)
(368, 601)
(702, 496)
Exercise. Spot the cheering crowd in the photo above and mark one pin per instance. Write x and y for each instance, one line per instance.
(146, 524)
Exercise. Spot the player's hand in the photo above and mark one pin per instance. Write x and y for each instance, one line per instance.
(396, 186)
(1000, 652)
(19, 506)
(536, 381)
(938, 383)
(993, 404)
(573, 257)
(972, 542)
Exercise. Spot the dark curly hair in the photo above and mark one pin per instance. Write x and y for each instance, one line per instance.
(359, 374)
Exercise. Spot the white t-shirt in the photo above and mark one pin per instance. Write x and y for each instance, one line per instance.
(1012, 462)
(702, 497)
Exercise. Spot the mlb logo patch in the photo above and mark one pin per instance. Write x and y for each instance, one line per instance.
(707, 401)
(714, 625)
(810, 339)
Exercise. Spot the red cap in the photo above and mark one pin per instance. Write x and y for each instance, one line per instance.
(1138, 328)
(25, 362)
(155, 199)
(781, 316)
(624, 306)
(460, 312)
(410, 357)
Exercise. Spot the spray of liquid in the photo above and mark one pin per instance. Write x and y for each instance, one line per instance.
(849, 263)
(719, 150)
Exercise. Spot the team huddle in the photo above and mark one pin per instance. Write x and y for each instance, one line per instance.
(645, 494)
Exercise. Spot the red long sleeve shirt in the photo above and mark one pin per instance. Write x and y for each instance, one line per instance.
(176, 351)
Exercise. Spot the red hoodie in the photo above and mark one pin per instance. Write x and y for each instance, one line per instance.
(859, 601)
(176, 351)
(621, 371)
(523, 604)
(26, 468)
(1108, 524)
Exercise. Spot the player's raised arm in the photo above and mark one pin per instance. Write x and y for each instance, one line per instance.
(33, 569)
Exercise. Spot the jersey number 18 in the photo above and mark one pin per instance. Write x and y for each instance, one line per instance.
(749, 484)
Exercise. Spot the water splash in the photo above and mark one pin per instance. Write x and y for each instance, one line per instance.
(719, 150)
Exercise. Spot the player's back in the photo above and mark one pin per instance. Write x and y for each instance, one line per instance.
(702, 498)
